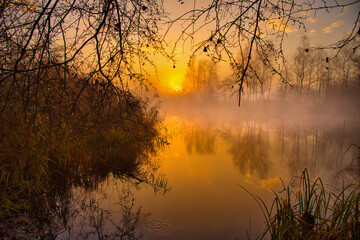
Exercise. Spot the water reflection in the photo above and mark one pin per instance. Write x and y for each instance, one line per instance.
(258, 146)
(94, 199)
(207, 159)
(81, 215)
(250, 149)
(320, 147)
(200, 138)
(204, 163)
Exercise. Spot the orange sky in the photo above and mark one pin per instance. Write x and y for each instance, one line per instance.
(322, 28)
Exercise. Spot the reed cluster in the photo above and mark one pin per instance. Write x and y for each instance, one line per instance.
(308, 209)
(74, 134)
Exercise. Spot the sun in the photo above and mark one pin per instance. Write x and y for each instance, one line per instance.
(176, 88)
(175, 84)
(172, 80)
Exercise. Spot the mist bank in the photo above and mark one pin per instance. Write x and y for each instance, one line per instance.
(336, 106)
(300, 132)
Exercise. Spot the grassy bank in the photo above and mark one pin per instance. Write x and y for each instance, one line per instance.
(308, 209)
(31, 162)
(74, 131)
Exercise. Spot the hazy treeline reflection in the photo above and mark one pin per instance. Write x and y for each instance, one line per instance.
(250, 148)
(256, 146)
(319, 148)
(200, 139)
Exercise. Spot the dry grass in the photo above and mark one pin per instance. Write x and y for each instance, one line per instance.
(38, 147)
(312, 211)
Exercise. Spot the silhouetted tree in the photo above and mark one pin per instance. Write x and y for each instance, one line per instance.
(304, 65)
(65, 71)
(345, 68)
(259, 79)
(317, 72)
(57, 52)
(202, 78)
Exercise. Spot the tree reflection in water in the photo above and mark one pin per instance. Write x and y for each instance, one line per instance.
(250, 149)
(257, 146)
(200, 139)
(76, 206)
(80, 215)
(319, 148)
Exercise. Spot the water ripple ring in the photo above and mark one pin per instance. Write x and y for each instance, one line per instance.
(158, 225)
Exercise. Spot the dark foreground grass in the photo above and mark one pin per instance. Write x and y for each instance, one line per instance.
(308, 210)
(36, 156)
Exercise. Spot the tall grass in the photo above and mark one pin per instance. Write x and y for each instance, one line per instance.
(30, 165)
(308, 210)
(104, 133)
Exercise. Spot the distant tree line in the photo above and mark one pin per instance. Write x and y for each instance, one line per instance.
(311, 73)
(201, 78)
(315, 72)
(239, 30)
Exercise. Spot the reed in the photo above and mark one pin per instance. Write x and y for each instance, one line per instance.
(311, 210)
(34, 153)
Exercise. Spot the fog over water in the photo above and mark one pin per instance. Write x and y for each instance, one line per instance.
(217, 146)
(329, 126)
(213, 149)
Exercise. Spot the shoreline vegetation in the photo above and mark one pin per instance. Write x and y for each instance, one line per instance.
(307, 209)
(69, 134)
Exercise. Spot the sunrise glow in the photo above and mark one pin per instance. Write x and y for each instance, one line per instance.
(172, 79)
(175, 86)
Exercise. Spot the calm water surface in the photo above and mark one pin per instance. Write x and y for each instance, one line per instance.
(208, 158)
